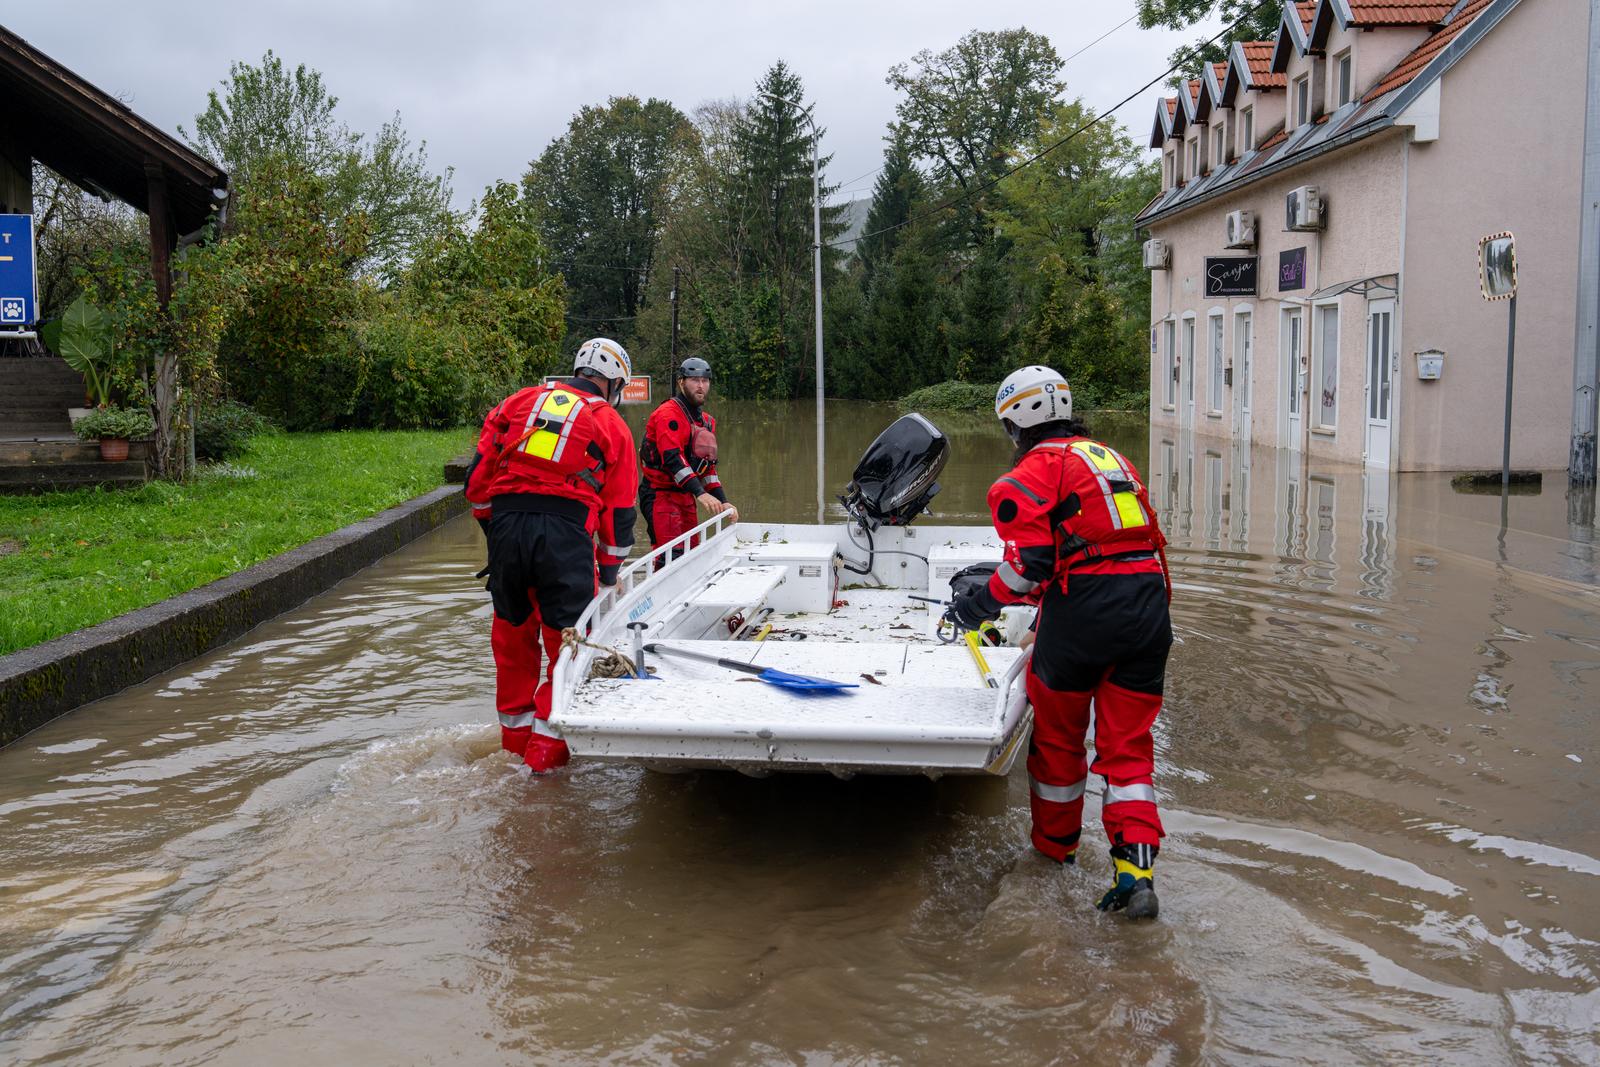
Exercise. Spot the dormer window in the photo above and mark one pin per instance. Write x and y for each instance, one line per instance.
(1302, 100)
(1247, 129)
(1342, 75)
(1194, 157)
(1216, 146)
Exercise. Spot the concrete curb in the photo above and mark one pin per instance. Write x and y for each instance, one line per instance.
(40, 683)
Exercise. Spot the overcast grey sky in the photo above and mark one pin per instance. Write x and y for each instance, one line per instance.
(489, 84)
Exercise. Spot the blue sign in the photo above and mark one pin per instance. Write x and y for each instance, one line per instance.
(19, 287)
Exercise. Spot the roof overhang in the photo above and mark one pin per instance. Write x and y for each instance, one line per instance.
(97, 141)
(1378, 283)
(1291, 35)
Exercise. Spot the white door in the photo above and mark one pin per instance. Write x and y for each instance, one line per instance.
(1381, 361)
(1294, 377)
(1186, 401)
(1241, 378)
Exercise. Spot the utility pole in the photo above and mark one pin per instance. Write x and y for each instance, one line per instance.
(674, 316)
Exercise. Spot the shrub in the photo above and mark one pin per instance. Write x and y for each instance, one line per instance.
(127, 423)
(221, 431)
(952, 396)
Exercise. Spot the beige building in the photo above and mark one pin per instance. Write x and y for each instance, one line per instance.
(1313, 252)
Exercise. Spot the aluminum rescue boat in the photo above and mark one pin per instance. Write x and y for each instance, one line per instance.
(831, 602)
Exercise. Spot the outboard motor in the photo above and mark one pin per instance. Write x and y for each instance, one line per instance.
(894, 481)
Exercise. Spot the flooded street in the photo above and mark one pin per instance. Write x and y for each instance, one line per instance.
(1376, 766)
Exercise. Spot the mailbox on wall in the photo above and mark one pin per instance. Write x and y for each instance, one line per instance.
(1430, 365)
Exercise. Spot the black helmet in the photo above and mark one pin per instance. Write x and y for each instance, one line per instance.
(694, 367)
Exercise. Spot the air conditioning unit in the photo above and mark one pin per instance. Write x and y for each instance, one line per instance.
(1156, 254)
(1303, 209)
(1240, 230)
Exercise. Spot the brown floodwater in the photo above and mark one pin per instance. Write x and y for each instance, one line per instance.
(1376, 765)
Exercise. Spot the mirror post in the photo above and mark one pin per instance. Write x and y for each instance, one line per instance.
(1511, 361)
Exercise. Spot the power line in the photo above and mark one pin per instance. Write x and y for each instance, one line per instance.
(992, 182)
(849, 186)
(1100, 38)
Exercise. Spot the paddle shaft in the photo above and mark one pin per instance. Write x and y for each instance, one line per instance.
(732, 664)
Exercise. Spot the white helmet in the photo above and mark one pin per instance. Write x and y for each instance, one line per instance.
(1031, 396)
(603, 356)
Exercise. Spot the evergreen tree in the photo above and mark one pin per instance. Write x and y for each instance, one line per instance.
(898, 191)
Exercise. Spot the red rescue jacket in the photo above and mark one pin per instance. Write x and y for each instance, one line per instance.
(561, 449)
(1072, 505)
(679, 451)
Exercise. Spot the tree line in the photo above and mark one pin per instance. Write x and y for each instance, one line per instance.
(341, 289)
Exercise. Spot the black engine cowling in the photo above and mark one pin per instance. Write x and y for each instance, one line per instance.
(894, 480)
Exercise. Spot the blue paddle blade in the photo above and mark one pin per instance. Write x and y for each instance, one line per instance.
(786, 680)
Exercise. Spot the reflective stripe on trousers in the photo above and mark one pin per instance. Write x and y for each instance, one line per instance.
(523, 720)
(1120, 794)
(1059, 794)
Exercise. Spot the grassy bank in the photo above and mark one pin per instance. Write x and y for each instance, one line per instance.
(69, 560)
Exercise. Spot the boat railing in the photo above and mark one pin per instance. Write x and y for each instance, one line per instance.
(1010, 708)
(638, 582)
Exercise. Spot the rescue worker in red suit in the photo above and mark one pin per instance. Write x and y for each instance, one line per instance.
(679, 458)
(552, 484)
(1081, 535)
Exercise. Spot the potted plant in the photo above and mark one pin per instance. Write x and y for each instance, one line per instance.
(82, 337)
(114, 427)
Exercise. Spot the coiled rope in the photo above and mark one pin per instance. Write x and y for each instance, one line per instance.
(612, 664)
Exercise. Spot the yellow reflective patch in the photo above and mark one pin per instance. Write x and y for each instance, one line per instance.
(1124, 867)
(1129, 510)
(1099, 457)
(542, 442)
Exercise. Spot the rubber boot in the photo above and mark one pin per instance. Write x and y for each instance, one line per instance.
(1133, 889)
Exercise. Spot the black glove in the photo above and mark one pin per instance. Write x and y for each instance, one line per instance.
(973, 608)
(608, 573)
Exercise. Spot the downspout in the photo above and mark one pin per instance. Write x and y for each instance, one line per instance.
(1586, 344)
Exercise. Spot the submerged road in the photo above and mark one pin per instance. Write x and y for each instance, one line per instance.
(1376, 764)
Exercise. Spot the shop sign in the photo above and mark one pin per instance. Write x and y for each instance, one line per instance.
(1231, 276)
(1292, 269)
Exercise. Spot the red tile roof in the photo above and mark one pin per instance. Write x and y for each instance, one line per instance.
(1194, 91)
(1221, 72)
(1412, 65)
(1307, 8)
(1399, 12)
(1258, 55)
(1172, 106)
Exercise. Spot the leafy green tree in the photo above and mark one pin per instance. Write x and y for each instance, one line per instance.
(285, 351)
(602, 189)
(964, 109)
(1248, 20)
(266, 113)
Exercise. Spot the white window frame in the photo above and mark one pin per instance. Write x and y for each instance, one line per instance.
(1247, 129)
(1300, 100)
(1216, 348)
(1217, 146)
(1170, 167)
(1319, 357)
(1344, 77)
(1169, 338)
(1193, 146)
(1242, 386)
(1187, 334)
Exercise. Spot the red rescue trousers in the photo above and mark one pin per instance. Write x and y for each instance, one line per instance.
(522, 689)
(671, 514)
(1105, 649)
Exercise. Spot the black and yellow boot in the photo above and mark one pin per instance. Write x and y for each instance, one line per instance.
(1134, 887)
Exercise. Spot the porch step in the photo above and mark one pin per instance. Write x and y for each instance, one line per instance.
(36, 428)
(35, 452)
(39, 477)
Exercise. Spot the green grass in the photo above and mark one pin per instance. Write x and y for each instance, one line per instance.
(952, 396)
(69, 560)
